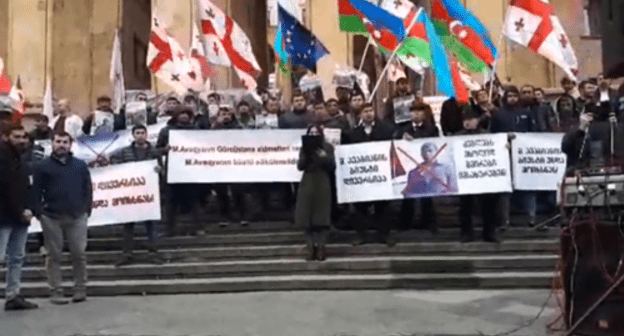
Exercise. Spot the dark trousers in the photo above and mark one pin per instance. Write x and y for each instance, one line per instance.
(182, 198)
(490, 204)
(241, 200)
(378, 220)
(428, 214)
(128, 236)
(336, 210)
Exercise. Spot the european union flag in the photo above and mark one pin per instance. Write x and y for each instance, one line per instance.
(299, 42)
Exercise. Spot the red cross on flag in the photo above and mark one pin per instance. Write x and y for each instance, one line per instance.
(532, 24)
(226, 44)
(168, 61)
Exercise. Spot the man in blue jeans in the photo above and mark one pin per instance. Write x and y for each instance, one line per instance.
(15, 214)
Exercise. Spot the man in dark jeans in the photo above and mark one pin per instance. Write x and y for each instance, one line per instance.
(62, 195)
(139, 150)
(15, 214)
(369, 129)
(489, 202)
(420, 127)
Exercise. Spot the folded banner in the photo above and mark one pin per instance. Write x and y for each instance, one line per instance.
(88, 148)
(122, 194)
(430, 167)
(236, 156)
(538, 162)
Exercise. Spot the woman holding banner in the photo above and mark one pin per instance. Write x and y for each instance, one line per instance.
(313, 207)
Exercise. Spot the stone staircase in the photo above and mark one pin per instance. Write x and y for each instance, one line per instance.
(270, 256)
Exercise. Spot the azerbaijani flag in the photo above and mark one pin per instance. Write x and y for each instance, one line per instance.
(363, 17)
(463, 35)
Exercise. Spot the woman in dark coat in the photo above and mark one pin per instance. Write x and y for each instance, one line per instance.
(313, 208)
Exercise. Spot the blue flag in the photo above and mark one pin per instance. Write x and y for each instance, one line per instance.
(299, 42)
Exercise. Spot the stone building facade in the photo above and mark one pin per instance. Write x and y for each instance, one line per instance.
(69, 41)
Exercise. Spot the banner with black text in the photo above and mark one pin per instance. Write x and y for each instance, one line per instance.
(429, 167)
(538, 162)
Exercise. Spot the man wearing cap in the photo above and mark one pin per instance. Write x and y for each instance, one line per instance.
(490, 203)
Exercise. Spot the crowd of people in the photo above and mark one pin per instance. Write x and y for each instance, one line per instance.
(57, 189)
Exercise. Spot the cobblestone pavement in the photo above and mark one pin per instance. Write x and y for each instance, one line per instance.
(321, 313)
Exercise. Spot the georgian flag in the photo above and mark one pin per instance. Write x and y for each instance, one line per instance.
(17, 97)
(168, 61)
(225, 43)
(532, 24)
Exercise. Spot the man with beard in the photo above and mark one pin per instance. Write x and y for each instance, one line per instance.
(355, 107)
(62, 194)
(484, 108)
(330, 116)
(183, 197)
(66, 121)
(269, 117)
(15, 214)
(299, 117)
(540, 112)
(606, 98)
(245, 116)
(513, 117)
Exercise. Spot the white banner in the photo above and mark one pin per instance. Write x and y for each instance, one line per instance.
(234, 156)
(123, 193)
(423, 168)
(538, 162)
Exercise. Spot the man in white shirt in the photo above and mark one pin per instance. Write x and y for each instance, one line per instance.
(65, 121)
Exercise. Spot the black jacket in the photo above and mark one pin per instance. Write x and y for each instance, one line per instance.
(451, 117)
(381, 132)
(134, 154)
(14, 185)
(426, 130)
(597, 147)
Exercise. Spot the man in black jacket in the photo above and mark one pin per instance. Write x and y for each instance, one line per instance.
(490, 209)
(139, 150)
(368, 130)
(15, 214)
(62, 196)
(420, 127)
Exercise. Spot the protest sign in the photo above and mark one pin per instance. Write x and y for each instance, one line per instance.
(234, 156)
(402, 109)
(123, 193)
(312, 89)
(333, 136)
(136, 113)
(423, 168)
(538, 163)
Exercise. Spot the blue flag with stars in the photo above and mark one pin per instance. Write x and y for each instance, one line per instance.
(299, 42)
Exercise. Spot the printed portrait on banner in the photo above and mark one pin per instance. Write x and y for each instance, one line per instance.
(423, 169)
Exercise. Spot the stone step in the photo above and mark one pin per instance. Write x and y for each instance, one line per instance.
(306, 282)
(292, 237)
(274, 267)
(206, 254)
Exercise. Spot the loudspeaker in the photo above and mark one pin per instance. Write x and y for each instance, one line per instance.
(592, 256)
(612, 24)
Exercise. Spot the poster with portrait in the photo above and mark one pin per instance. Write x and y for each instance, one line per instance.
(103, 122)
(312, 89)
(136, 113)
(402, 108)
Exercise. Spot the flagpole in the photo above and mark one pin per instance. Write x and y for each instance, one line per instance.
(381, 76)
(495, 66)
(368, 43)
